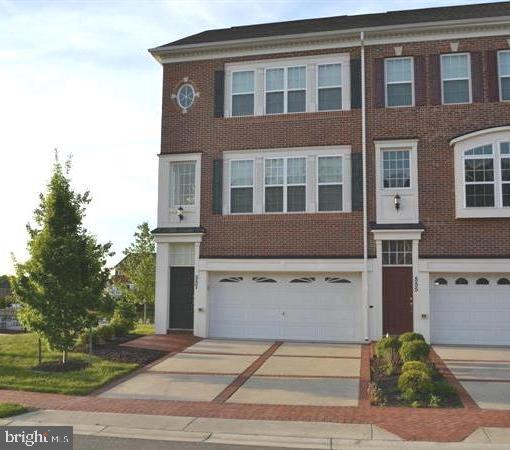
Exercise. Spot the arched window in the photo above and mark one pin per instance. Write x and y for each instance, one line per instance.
(337, 280)
(482, 281)
(303, 280)
(440, 282)
(503, 281)
(231, 280)
(461, 281)
(263, 280)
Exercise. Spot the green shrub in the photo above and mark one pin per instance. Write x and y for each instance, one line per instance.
(386, 344)
(104, 333)
(375, 395)
(124, 313)
(414, 351)
(435, 401)
(119, 328)
(414, 383)
(443, 389)
(416, 365)
(410, 336)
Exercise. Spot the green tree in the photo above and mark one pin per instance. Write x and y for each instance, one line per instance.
(139, 267)
(62, 285)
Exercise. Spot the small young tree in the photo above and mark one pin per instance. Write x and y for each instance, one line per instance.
(61, 287)
(139, 267)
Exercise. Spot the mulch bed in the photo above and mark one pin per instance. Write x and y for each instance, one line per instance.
(113, 351)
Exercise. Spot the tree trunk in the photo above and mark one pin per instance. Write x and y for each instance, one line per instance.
(144, 312)
(64, 357)
(90, 342)
(39, 351)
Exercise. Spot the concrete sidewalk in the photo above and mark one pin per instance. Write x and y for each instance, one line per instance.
(316, 435)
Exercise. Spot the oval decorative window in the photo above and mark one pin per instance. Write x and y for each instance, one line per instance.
(186, 96)
(482, 281)
(440, 282)
(461, 281)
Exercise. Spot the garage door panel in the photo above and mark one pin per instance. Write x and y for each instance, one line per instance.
(470, 314)
(315, 310)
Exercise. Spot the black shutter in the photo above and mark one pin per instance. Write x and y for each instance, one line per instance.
(355, 83)
(217, 186)
(491, 67)
(420, 85)
(219, 92)
(435, 79)
(357, 181)
(477, 76)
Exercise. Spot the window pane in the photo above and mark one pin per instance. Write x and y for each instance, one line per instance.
(330, 169)
(242, 105)
(183, 176)
(296, 77)
(505, 88)
(505, 169)
(296, 101)
(330, 98)
(397, 252)
(505, 148)
(274, 199)
(479, 170)
(479, 195)
(296, 198)
(506, 194)
(400, 94)
(399, 70)
(241, 200)
(296, 171)
(330, 198)
(274, 79)
(330, 75)
(274, 102)
(274, 171)
(504, 64)
(481, 150)
(242, 82)
(456, 91)
(241, 173)
(396, 172)
(454, 66)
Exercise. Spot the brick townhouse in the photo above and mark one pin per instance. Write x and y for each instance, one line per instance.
(337, 179)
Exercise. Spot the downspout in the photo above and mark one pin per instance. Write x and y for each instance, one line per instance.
(364, 287)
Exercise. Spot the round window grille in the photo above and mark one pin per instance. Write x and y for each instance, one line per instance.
(186, 96)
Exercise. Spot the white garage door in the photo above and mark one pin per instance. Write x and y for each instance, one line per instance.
(470, 309)
(307, 307)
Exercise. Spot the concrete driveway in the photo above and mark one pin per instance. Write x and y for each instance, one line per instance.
(483, 371)
(256, 372)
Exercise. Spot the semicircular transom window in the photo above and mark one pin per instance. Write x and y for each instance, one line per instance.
(440, 282)
(461, 281)
(303, 280)
(337, 280)
(503, 281)
(231, 280)
(482, 281)
(263, 280)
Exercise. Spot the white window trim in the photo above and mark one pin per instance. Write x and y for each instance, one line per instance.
(244, 93)
(252, 186)
(387, 150)
(311, 155)
(386, 82)
(342, 183)
(495, 137)
(285, 185)
(310, 62)
(285, 89)
(500, 77)
(318, 88)
(469, 79)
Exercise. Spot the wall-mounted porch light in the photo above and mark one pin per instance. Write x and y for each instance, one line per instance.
(180, 213)
(396, 200)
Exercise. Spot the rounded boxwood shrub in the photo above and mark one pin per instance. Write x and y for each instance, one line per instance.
(385, 345)
(414, 351)
(416, 365)
(415, 383)
(410, 336)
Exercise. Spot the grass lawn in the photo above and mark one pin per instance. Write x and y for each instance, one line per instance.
(11, 409)
(18, 356)
(143, 329)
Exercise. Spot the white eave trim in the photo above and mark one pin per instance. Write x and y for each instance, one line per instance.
(398, 235)
(477, 133)
(170, 238)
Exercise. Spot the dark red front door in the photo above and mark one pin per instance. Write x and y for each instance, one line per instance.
(397, 299)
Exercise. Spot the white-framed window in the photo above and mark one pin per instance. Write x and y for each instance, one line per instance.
(182, 184)
(399, 80)
(487, 176)
(330, 183)
(397, 253)
(329, 87)
(456, 78)
(243, 93)
(285, 90)
(285, 184)
(241, 186)
(504, 75)
(396, 170)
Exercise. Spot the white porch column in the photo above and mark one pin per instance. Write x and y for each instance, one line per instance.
(375, 299)
(162, 302)
(201, 307)
(422, 306)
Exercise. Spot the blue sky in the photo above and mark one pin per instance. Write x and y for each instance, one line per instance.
(76, 75)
